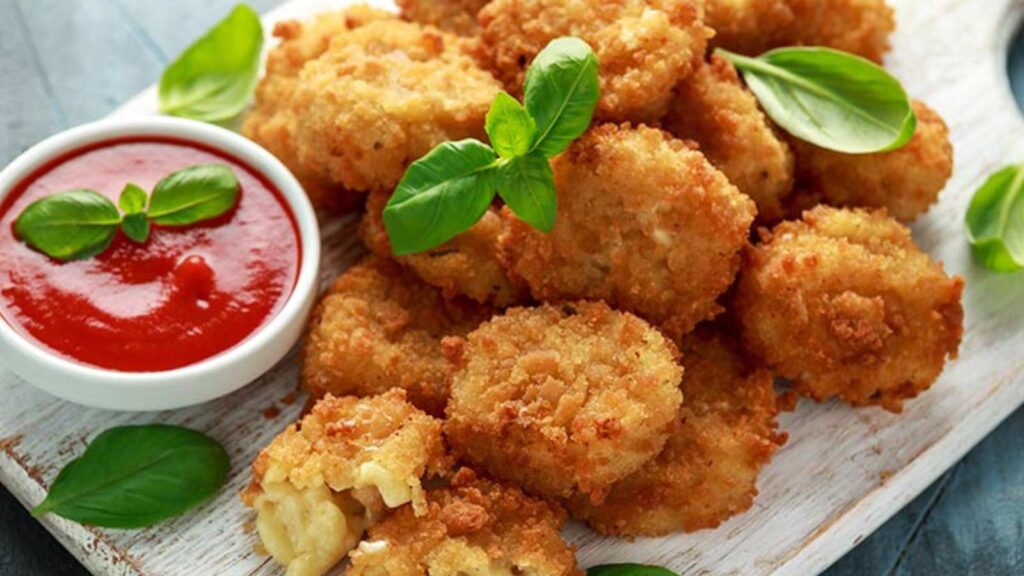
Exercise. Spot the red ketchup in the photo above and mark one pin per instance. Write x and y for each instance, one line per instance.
(185, 295)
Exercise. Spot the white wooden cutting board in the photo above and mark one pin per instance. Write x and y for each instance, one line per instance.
(841, 475)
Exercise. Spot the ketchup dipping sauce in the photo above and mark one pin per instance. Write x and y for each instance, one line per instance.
(187, 294)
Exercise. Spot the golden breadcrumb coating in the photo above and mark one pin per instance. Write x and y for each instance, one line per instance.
(906, 181)
(561, 399)
(644, 222)
(455, 16)
(754, 26)
(845, 304)
(644, 46)
(271, 122)
(475, 527)
(321, 483)
(379, 327)
(713, 108)
(708, 469)
(467, 265)
(382, 96)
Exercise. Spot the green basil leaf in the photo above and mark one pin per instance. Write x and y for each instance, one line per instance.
(136, 226)
(509, 127)
(133, 199)
(561, 91)
(70, 225)
(136, 476)
(527, 186)
(629, 570)
(441, 195)
(196, 193)
(214, 77)
(829, 98)
(995, 221)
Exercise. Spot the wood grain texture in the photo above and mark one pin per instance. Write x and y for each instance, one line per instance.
(844, 471)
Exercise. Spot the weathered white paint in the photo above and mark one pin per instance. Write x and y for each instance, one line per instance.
(841, 475)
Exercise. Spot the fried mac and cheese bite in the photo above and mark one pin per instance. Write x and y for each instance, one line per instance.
(714, 108)
(322, 482)
(644, 46)
(455, 16)
(906, 181)
(751, 27)
(467, 265)
(845, 305)
(644, 222)
(383, 95)
(708, 469)
(562, 399)
(380, 327)
(474, 527)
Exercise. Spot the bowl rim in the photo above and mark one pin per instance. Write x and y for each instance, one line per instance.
(217, 138)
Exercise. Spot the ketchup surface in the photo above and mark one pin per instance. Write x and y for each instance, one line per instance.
(187, 294)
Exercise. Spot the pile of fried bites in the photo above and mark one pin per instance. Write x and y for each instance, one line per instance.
(619, 369)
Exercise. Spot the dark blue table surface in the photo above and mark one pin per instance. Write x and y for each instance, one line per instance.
(65, 62)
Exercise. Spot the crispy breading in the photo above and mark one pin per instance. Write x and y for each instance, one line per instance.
(321, 483)
(644, 222)
(713, 108)
(379, 327)
(754, 26)
(708, 470)
(382, 96)
(906, 181)
(845, 304)
(474, 527)
(271, 122)
(561, 399)
(644, 46)
(467, 265)
(455, 16)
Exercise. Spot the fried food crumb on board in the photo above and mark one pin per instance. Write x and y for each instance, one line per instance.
(562, 399)
(862, 27)
(906, 181)
(713, 108)
(467, 265)
(322, 482)
(845, 305)
(708, 469)
(644, 46)
(379, 327)
(455, 16)
(644, 222)
(476, 526)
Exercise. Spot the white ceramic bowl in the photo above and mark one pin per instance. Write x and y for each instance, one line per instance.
(196, 383)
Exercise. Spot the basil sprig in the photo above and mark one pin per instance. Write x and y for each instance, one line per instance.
(832, 99)
(136, 476)
(79, 224)
(995, 221)
(213, 78)
(448, 190)
(629, 570)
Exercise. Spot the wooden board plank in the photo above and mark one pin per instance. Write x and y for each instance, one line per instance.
(843, 473)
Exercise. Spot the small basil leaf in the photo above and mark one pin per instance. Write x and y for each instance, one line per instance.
(136, 476)
(829, 98)
(133, 199)
(136, 226)
(70, 225)
(214, 77)
(196, 193)
(995, 221)
(629, 570)
(527, 186)
(441, 195)
(509, 127)
(561, 91)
